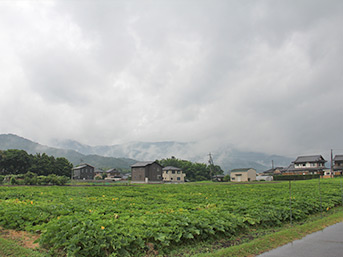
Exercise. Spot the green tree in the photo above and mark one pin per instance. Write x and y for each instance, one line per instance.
(193, 171)
(15, 161)
(42, 164)
(62, 167)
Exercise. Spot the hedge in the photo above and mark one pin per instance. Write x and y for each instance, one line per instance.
(296, 177)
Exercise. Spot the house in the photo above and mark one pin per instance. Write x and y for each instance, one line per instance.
(146, 172)
(83, 171)
(243, 175)
(303, 165)
(173, 174)
(98, 173)
(272, 171)
(113, 174)
(338, 165)
(218, 178)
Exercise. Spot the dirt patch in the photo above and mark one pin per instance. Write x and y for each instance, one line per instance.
(23, 238)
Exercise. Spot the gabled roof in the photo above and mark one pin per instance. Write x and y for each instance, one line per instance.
(170, 168)
(310, 158)
(273, 170)
(242, 170)
(143, 164)
(84, 165)
(338, 158)
(111, 170)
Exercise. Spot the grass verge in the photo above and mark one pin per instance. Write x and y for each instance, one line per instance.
(282, 237)
(11, 248)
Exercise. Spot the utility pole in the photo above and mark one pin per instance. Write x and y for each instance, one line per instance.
(211, 166)
(331, 166)
(272, 164)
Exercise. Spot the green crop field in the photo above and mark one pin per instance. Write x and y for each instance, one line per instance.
(134, 220)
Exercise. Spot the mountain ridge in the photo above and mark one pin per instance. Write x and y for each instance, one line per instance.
(124, 155)
(226, 156)
(12, 141)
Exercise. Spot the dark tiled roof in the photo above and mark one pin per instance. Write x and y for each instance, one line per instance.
(82, 166)
(142, 164)
(241, 170)
(170, 168)
(338, 158)
(310, 158)
(273, 170)
(111, 170)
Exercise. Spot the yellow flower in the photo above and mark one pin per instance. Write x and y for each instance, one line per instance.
(90, 210)
(327, 208)
(103, 195)
(31, 202)
(58, 218)
(102, 227)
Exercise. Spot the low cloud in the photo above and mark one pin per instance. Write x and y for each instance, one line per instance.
(263, 76)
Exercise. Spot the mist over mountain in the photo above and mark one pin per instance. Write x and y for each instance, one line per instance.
(227, 156)
(124, 155)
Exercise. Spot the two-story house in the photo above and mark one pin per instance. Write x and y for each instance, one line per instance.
(84, 172)
(146, 172)
(338, 165)
(173, 174)
(303, 165)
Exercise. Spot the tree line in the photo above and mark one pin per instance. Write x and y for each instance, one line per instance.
(17, 162)
(193, 171)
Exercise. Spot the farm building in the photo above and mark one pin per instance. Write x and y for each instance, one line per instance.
(146, 172)
(243, 175)
(83, 171)
(173, 174)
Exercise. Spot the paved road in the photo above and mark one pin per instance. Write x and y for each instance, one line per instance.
(325, 243)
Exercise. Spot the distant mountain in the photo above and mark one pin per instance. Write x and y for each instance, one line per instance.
(124, 155)
(10, 141)
(226, 156)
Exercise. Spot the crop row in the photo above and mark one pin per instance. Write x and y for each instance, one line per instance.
(131, 220)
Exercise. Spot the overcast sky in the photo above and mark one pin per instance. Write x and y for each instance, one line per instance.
(260, 75)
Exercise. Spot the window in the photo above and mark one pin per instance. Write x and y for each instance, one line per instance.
(173, 172)
(178, 172)
(238, 175)
(178, 178)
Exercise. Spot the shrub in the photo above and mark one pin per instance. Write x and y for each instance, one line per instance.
(13, 181)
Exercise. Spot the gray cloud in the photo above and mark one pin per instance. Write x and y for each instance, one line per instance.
(263, 75)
